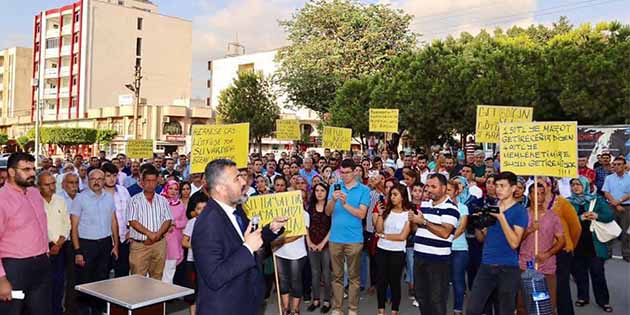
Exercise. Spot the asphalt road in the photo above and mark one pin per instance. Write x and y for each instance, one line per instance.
(617, 275)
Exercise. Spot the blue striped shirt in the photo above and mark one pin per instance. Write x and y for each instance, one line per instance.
(429, 246)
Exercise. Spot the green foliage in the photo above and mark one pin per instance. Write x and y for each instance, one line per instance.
(250, 99)
(23, 141)
(4, 138)
(65, 136)
(105, 136)
(335, 41)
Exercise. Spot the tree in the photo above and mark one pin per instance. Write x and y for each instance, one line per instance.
(250, 99)
(105, 136)
(351, 107)
(64, 137)
(335, 41)
(4, 138)
(23, 142)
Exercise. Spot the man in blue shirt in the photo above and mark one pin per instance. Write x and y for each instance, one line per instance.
(348, 204)
(617, 191)
(499, 263)
(94, 236)
(307, 171)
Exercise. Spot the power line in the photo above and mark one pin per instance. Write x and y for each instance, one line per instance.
(516, 17)
(449, 14)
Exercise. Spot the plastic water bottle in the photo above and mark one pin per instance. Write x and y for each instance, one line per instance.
(536, 295)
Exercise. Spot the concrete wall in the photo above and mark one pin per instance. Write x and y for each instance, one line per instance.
(16, 81)
(225, 70)
(111, 55)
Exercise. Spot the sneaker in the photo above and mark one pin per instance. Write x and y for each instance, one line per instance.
(415, 303)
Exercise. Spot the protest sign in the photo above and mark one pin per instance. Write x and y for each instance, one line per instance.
(288, 204)
(337, 138)
(287, 129)
(211, 142)
(539, 148)
(383, 120)
(139, 149)
(489, 118)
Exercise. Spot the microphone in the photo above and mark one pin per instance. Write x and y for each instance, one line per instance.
(255, 222)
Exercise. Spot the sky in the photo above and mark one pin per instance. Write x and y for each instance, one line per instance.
(255, 22)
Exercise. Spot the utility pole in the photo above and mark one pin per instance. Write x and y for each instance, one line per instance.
(37, 121)
(137, 78)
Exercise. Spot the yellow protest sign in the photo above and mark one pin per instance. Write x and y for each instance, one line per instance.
(140, 149)
(383, 120)
(337, 138)
(489, 118)
(288, 204)
(211, 142)
(539, 148)
(287, 129)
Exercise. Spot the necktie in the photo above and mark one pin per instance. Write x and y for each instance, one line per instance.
(240, 221)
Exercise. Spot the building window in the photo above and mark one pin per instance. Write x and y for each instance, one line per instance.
(56, 26)
(138, 62)
(76, 38)
(139, 24)
(75, 59)
(51, 106)
(247, 67)
(54, 66)
(172, 128)
(121, 2)
(52, 43)
(77, 17)
(138, 46)
(74, 81)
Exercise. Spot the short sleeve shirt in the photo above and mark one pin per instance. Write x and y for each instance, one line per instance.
(345, 227)
(496, 249)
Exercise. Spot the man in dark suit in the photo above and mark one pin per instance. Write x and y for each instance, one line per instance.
(224, 245)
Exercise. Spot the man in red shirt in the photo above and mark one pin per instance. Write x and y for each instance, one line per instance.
(585, 171)
(23, 241)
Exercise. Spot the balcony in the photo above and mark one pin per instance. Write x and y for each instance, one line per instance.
(52, 52)
(66, 30)
(65, 71)
(51, 73)
(64, 92)
(52, 33)
(65, 50)
(50, 93)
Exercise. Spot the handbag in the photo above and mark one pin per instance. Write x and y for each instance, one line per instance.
(604, 232)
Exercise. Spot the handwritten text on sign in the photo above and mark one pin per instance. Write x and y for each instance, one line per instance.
(287, 129)
(337, 138)
(383, 120)
(211, 142)
(140, 149)
(539, 148)
(489, 118)
(287, 204)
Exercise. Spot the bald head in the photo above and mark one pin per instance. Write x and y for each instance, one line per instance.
(47, 184)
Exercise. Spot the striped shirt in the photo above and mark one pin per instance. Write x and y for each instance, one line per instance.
(150, 214)
(429, 246)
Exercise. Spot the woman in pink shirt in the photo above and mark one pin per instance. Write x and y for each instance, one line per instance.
(174, 249)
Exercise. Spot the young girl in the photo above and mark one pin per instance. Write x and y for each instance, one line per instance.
(392, 227)
(191, 276)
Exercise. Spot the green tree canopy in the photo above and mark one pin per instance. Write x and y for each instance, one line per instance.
(250, 99)
(335, 41)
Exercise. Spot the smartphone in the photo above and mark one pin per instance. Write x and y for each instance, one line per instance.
(337, 187)
(381, 198)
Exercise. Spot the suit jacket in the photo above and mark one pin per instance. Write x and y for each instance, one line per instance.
(229, 279)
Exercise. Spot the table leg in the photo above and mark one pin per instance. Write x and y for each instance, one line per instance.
(109, 309)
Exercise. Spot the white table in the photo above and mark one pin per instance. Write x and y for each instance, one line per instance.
(134, 294)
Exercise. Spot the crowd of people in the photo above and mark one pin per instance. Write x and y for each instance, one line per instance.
(434, 221)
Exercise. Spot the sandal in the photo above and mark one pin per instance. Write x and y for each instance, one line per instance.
(607, 308)
(581, 303)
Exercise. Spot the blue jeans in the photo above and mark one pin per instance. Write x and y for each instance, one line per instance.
(459, 262)
(365, 260)
(409, 272)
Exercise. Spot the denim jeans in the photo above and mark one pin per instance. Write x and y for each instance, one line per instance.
(506, 281)
(459, 262)
(409, 272)
(432, 290)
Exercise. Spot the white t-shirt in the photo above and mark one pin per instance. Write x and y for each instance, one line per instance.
(188, 231)
(296, 249)
(394, 224)
(475, 191)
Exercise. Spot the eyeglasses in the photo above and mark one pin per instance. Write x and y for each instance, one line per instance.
(100, 179)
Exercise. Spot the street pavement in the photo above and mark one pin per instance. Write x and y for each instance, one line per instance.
(617, 274)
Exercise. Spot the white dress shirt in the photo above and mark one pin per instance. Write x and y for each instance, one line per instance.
(58, 218)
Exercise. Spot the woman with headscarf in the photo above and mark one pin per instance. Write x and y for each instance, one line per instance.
(174, 249)
(590, 254)
(572, 229)
(519, 192)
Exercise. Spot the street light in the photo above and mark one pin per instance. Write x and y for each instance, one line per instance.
(135, 88)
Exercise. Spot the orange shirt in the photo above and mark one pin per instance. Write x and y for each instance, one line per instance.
(570, 222)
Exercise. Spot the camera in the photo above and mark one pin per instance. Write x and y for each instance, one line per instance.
(337, 186)
(481, 218)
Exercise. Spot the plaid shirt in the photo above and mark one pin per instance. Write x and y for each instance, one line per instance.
(600, 175)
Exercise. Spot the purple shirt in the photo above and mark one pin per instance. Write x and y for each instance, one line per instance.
(23, 224)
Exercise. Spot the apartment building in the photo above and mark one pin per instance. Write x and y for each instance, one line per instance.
(15, 82)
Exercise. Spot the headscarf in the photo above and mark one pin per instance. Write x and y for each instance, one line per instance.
(465, 194)
(172, 201)
(586, 195)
